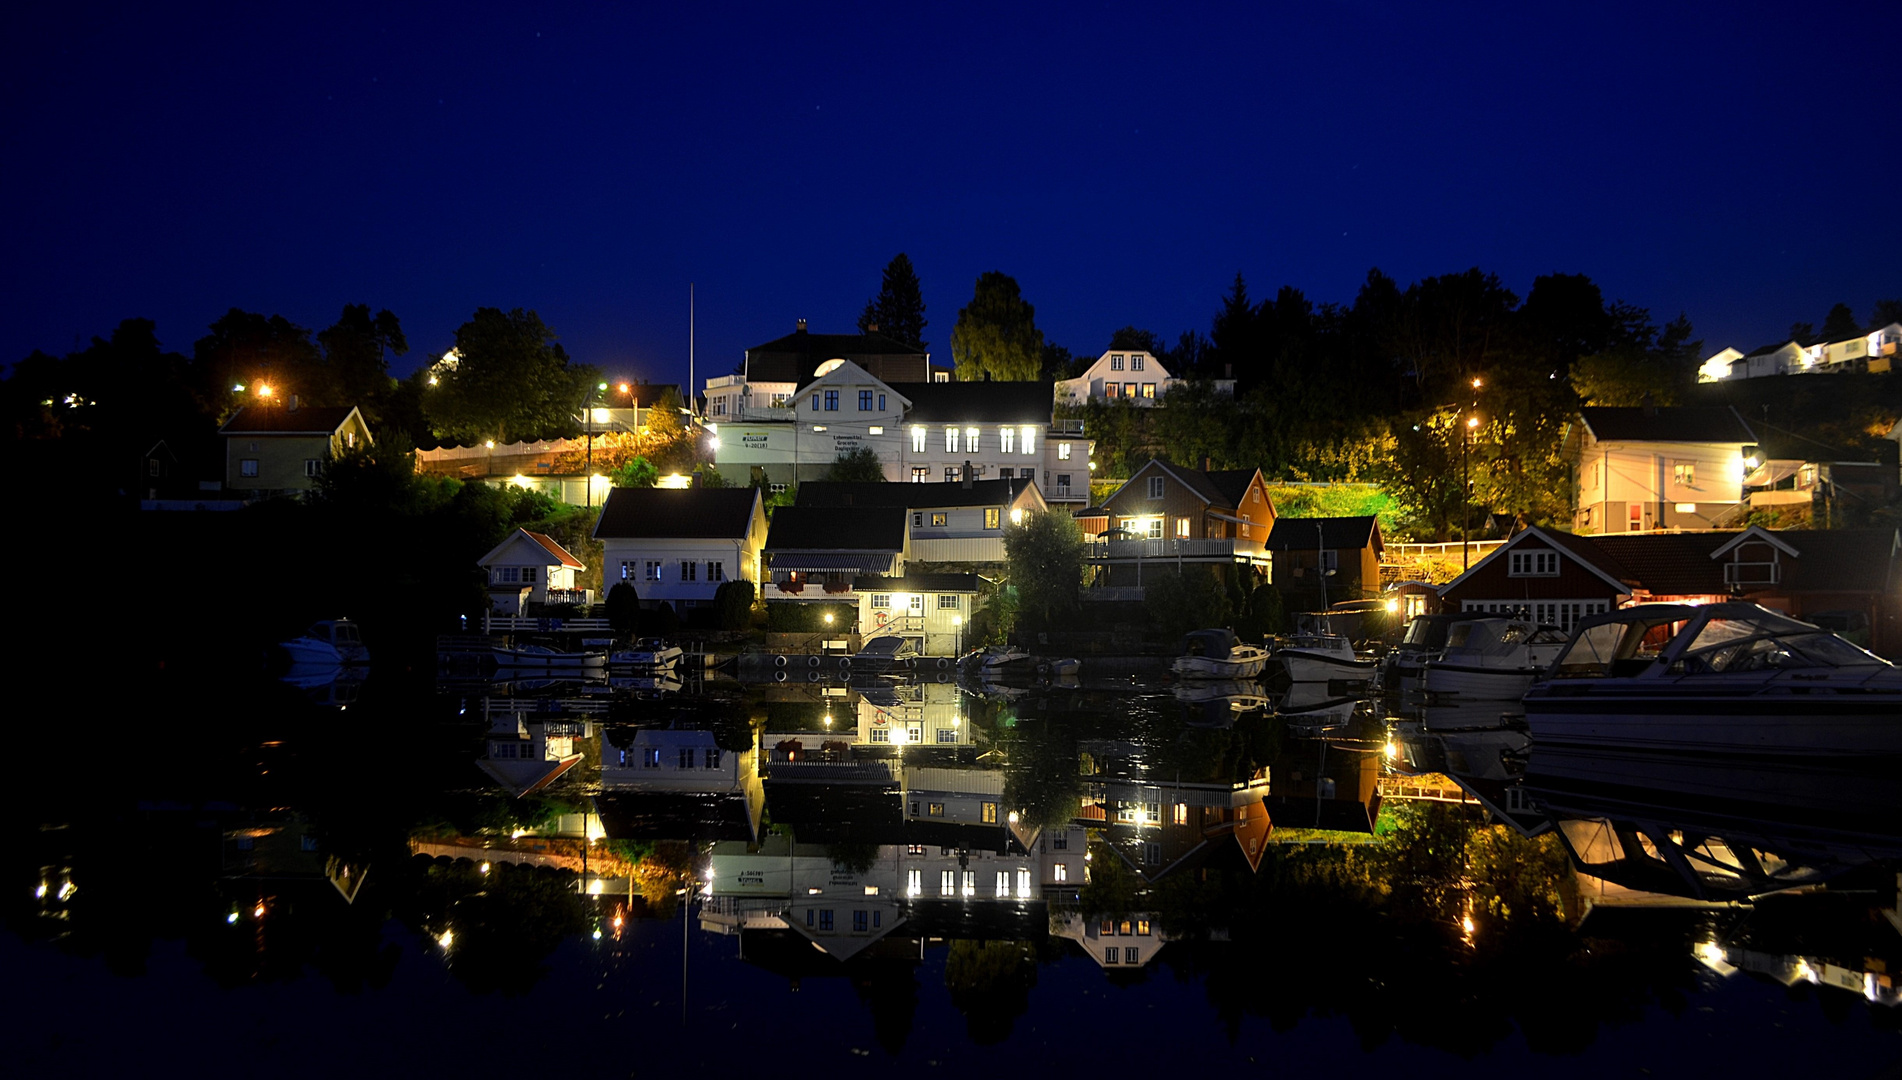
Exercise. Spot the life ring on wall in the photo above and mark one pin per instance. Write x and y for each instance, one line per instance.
(812, 676)
(779, 661)
(845, 661)
(881, 617)
(812, 661)
(944, 662)
(779, 676)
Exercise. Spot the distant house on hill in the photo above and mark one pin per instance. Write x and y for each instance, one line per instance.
(958, 523)
(1648, 467)
(282, 449)
(772, 371)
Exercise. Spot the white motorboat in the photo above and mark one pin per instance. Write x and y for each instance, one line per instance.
(539, 656)
(1491, 659)
(647, 652)
(311, 654)
(1238, 695)
(1056, 669)
(1217, 654)
(997, 659)
(1311, 710)
(341, 635)
(1401, 668)
(883, 654)
(1729, 678)
(1322, 658)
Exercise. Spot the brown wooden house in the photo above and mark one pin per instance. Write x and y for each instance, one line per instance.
(1169, 515)
(1331, 558)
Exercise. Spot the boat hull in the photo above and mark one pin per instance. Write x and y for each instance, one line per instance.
(1477, 682)
(518, 660)
(1862, 724)
(1208, 667)
(1305, 665)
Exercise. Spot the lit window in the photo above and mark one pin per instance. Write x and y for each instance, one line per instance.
(917, 439)
(947, 883)
(1028, 434)
(1684, 473)
(1182, 527)
(1006, 440)
(1003, 884)
(989, 816)
(970, 439)
(991, 514)
(1112, 389)
(1060, 872)
(940, 518)
(875, 430)
(1023, 883)
(935, 809)
(1149, 390)
(653, 570)
(920, 473)
(1063, 451)
(914, 882)
(950, 440)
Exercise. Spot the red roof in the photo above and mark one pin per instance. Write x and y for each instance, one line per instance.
(555, 549)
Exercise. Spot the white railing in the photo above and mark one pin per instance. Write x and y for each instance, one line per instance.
(1164, 548)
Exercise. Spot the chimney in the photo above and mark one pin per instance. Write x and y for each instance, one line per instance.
(967, 476)
(800, 327)
(1228, 371)
(871, 328)
(1208, 463)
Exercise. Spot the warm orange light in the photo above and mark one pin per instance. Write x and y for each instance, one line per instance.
(264, 390)
(1475, 384)
(1472, 421)
(623, 388)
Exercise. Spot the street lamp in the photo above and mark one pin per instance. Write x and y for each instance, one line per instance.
(588, 480)
(1466, 486)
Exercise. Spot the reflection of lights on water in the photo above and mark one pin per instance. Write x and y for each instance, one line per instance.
(1466, 924)
(446, 938)
(67, 889)
(40, 893)
(597, 933)
(1392, 750)
(485, 868)
(518, 834)
(231, 918)
(258, 912)
(597, 887)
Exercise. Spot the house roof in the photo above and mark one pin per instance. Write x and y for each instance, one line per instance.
(837, 528)
(1667, 564)
(1666, 423)
(1297, 534)
(281, 420)
(1846, 560)
(910, 496)
(557, 555)
(1232, 483)
(1775, 346)
(918, 583)
(978, 402)
(1202, 485)
(793, 358)
(676, 514)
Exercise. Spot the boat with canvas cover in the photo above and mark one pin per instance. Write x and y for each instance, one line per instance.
(1322, 658)
(1492, 659)
(1217, 654)
(1728, 678)
(540, 656)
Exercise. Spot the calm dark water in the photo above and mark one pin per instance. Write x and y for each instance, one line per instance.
(1343, 947)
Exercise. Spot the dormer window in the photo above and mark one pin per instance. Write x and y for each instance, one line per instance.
(1536, 563)
(1136, 363)
(1116, 361)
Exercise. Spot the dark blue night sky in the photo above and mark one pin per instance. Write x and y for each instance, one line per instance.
(1734, 162)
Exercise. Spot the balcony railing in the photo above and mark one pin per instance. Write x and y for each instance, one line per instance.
(1164, 548)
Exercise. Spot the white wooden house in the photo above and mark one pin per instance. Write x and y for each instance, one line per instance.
(530, 567)
(679, 545)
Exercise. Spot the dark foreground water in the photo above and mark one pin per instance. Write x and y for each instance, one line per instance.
(242, 876)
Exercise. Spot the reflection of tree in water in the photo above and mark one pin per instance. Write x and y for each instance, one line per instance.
(889, 988)
(505, 923)
(990, 984)
(1040, 774)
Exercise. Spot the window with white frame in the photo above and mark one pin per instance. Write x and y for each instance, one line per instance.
(1182, 527)
(1006, 440)
(1003, 884)
(1155, 487)
(947, 883)
(1028, 435)
(950, 474)
(1155, 528)
(920, 473)
(1111, 953)
(627, 570)
(1060, 872)
(687, 570)
(1684, 473)
(914, 882)
(950, 440)
(1136, 363)
(970, 439)
(865, 401)
(1063, 451)
(653, 570)
(716, 571)
(1023, 883)
(881, 600)
(947, 601)
(1116, 362)
(917, 439)
(1538, 562)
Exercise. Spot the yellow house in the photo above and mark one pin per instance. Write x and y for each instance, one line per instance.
(273, 449)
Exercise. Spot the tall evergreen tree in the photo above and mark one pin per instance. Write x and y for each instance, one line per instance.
(356, 358)
(1840, 324)
(899, 308)
(996, 336)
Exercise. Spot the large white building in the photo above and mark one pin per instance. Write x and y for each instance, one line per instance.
(1874, 351)
(1642, 468)
(923, 432)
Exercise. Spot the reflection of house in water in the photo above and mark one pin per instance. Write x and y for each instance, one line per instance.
(525, 755)
(1320, 784)
(283, 851)
(1116, 943)
(679, 784)
(1159, 826)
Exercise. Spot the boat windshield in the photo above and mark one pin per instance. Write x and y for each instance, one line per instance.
(1615, 648)
(1807, 648)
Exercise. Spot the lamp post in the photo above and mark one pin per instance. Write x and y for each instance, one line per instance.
(1466, 481)
(587, 480)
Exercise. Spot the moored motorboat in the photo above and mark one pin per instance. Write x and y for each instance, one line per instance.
(647, 652)
(1728, 678)
(997, 659)
(1322, 658)
(1217, 654)
(539, 656)
(1491, 659)
(883, 654)
(308, 653)
(1401, 668)
(341, 635)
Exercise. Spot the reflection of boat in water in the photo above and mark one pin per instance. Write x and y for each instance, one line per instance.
(647, 652)
(996, 660)
(1310, 707)
(1471, 716)
(1057, 669)
(1217, 654)
(1721, 678)
(1714, 829)
(655, 685)
(540, 656)
(1491, 659)
(1322, 658)
(1238, 695)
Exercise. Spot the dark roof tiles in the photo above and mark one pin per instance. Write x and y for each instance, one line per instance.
(1666, 423)
(837, 528)
(676, 514)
